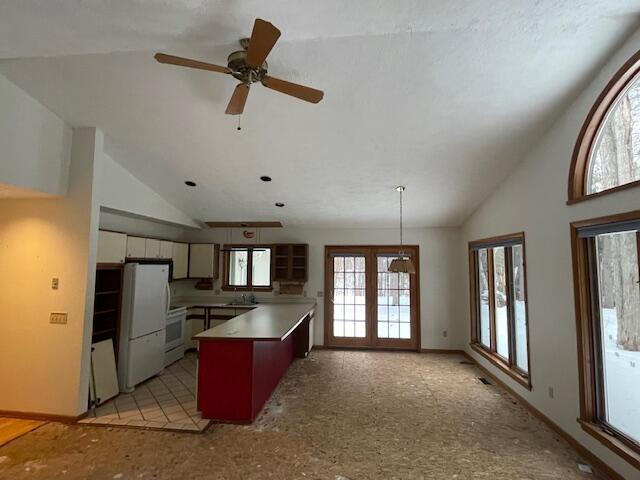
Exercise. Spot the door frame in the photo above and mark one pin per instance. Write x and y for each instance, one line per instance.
(371, 341)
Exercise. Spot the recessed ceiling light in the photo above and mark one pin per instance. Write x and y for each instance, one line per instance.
(189, 183)
(265, 178)
(279, 204)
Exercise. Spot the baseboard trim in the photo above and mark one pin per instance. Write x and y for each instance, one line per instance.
(601, 467)
(42, 416)
(448, 351)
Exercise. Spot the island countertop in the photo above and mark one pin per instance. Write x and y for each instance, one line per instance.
(267, 321)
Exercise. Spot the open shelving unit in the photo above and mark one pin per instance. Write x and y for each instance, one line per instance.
(291, 263)
(107, 304)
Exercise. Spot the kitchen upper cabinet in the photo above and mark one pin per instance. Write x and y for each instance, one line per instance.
(151, 248)
(166, 249)
(180, 257)
(112, 247)
(203, 260)
(291, 263)
(135, 247)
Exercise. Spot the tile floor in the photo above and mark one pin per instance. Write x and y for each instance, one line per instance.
(165, 402)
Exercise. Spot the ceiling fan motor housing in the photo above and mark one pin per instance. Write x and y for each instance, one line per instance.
(243, 72)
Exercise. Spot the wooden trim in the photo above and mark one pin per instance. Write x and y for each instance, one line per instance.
(446, 351)
(508, 366)
(588, 133)
(46, 417)
(610, 441)
(371, 341)
(499, 362)
(600, 466)
(491, 280)
(586, 339)
(496, 240)
(244, 224)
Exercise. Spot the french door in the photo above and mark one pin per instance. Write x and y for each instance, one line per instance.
(365, 304)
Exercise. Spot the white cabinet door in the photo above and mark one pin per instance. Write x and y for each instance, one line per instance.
(202, 260)
(135, 247)
(151, 248)
(112, 247)
(180, 256)
(103, 380)
(166, 249)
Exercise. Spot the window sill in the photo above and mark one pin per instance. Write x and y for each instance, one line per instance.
(496, 360)
(247, 289)
(617, 446)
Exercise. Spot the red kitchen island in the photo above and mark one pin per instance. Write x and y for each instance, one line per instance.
(241, 361)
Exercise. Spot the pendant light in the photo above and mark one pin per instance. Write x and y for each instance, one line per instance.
(403, 263)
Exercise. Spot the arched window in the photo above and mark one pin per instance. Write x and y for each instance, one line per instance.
(606, 157)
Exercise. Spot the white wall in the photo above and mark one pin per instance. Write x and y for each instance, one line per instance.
(533, 200)
(44, 367)
(35, 143)
(143, 227)
(120, 190)
(439, 271)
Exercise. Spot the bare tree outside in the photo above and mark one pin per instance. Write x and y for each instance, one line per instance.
(616, 161)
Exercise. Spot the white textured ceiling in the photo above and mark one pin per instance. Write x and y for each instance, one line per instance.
(443, 97)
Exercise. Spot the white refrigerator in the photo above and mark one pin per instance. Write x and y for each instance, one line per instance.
(145, 303)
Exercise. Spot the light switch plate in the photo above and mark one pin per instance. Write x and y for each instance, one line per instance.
(59, 318)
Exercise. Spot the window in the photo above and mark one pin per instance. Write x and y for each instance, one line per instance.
(607, 283)
(499, 323)
(247, 268)
(606, 157)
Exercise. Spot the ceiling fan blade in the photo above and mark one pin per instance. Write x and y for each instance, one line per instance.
(263, 37)
(307, 94)
(187, 62)
(238, 99)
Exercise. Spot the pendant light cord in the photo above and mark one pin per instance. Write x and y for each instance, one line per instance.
(401, 221)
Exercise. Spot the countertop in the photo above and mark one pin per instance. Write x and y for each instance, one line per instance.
(267, 321)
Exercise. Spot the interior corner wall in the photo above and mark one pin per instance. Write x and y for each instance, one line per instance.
(122, 191)
(439, 272)
(533, 199)
(36, 144)
(44, 367)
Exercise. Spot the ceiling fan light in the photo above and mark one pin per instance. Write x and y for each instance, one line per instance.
(402, 265)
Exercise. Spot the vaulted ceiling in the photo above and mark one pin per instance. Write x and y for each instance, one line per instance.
(443, 97)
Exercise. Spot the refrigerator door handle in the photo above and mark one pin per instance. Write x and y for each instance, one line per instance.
(168, 297)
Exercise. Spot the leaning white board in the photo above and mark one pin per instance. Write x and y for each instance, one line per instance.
(104, 379)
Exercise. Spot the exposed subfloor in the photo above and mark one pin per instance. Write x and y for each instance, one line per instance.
(336, 415)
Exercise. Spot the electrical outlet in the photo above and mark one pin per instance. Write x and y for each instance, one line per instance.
(444, 333)
(551, 393)
(320, 294)
(59, 318)
(54, 283)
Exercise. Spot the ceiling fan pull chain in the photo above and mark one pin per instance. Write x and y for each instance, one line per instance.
(239, 127)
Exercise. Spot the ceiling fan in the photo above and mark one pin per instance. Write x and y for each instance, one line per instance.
(249, 66)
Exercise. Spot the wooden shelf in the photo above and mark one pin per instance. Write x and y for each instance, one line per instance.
(104, 331)
(291, 263)
(107, 298)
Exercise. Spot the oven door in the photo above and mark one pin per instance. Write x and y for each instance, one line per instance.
(175, 330)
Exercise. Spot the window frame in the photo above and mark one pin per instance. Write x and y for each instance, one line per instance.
(587, 332)
(588, 136)
(249, 287)
(507, 365)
